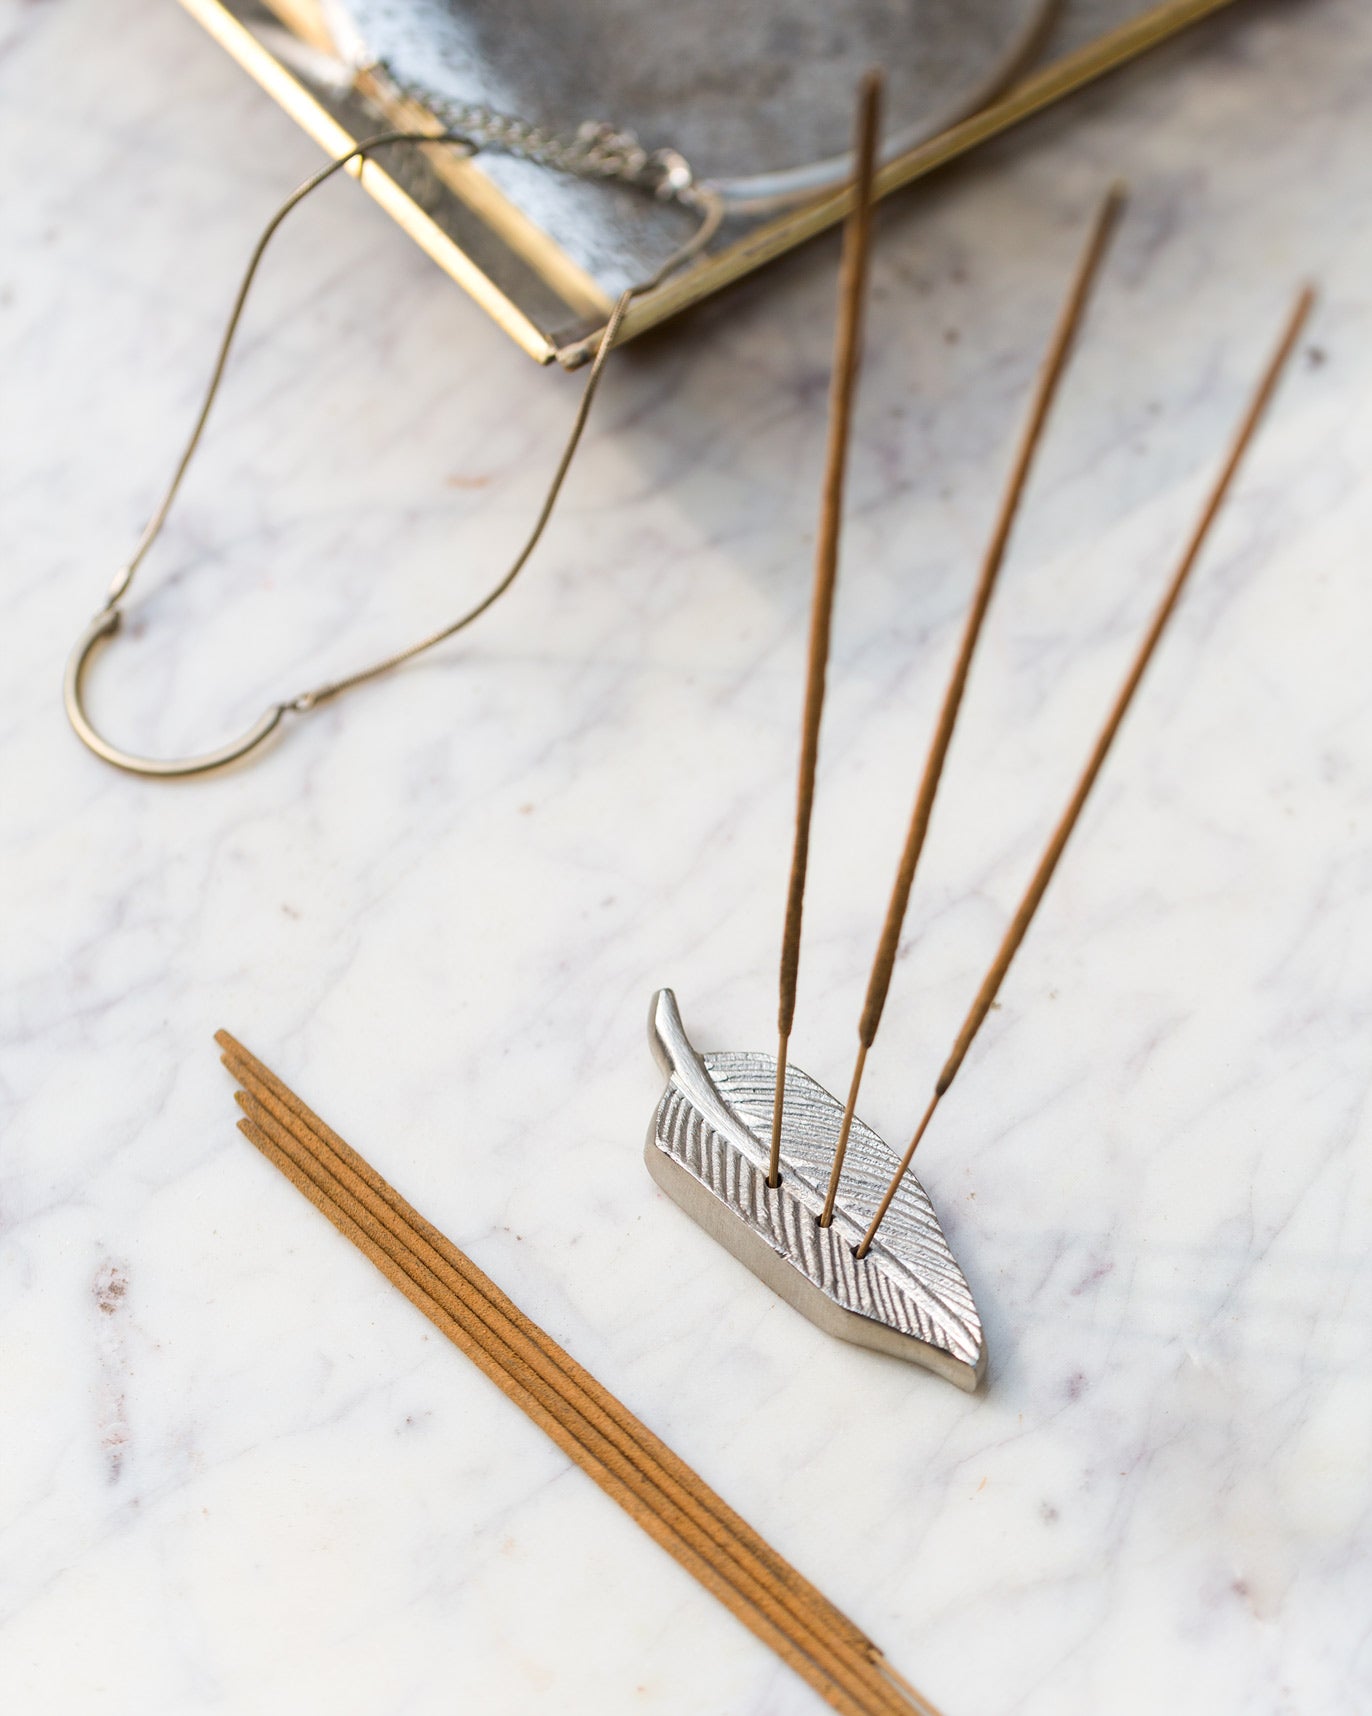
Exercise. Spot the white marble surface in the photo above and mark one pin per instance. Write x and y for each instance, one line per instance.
(240, 1473)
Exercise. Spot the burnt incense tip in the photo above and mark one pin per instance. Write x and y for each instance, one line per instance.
(867, 127)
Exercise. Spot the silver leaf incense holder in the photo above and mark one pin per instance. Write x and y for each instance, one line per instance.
(708, 1148)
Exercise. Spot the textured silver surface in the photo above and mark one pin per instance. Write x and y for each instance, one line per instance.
(759, 96)
(470, 50)
(759, 100)
(708, 1149)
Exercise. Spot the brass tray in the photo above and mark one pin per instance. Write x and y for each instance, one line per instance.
(477, 224)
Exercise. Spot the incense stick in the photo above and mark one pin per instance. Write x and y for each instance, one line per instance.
(270, 1109)
(1045, 391)
(843, 389)
(657, 1488)
(1023, 917)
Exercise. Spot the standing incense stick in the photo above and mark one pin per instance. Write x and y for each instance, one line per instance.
(847, 353)
(1045, 390)
(1019, 924)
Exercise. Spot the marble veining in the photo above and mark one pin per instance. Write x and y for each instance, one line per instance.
(240, 1475)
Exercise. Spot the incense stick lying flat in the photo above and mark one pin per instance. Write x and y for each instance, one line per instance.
(523, 1348)
(1023, 917)
(857, 239)
(654, 1485)
(1045, 391)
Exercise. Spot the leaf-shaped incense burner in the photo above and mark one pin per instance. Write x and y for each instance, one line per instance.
(708, 1149)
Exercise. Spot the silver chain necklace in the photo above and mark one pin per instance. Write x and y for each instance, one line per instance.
(597, 149)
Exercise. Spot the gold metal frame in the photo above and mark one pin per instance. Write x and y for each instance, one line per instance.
(481, 213)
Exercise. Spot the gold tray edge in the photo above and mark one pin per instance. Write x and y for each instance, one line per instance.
(239, 42)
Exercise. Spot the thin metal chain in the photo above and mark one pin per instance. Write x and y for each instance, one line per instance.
(597, 149)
